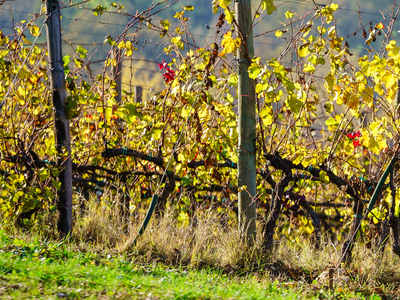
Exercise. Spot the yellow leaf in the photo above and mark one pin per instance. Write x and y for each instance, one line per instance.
(289, 14)
(334, 7)
(278, 33)
(332, 123)
(224, 3)
(392, 49)
(179, 14)
(309, 68)
(389, 79)
(22, 92)
(228, 16)
(121, 45)
(34, 30)
(303, 50)
(3, 52)
(229, 43)
(164, 24)
(178, 42)
(266, 115)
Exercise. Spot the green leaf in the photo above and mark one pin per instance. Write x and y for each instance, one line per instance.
(66, 60)
(82, 52)
(99, 10)
(268, 5)
(294, 104)
(323, 176)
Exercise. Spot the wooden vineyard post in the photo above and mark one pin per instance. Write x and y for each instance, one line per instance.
(138, 94)
(61, 124)
(247, 124)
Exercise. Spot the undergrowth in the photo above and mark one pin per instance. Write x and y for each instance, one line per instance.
(213, 244)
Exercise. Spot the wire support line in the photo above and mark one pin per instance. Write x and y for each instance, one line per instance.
(75, 4)
(87, 20)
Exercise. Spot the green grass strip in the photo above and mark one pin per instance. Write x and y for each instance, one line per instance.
(41, 270)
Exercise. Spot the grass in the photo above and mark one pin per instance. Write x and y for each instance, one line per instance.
(30, 268)
(51, 270)
(174, 260)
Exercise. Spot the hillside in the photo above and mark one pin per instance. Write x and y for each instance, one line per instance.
(82, 27)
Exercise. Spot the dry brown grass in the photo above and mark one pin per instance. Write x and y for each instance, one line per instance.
(217, 244)
(208, 243)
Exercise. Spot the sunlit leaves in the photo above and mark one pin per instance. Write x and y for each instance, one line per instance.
(333, 6)
(255, 68)
(177, 41)
(266, 115)
(129, 48)
(324, 176)
(165, 24)
(306, 107)
(3, 52)
(374, 137)
(27, 105)
(34, 30)
(392, 49)
(225, 5)
(327, 11)
(229, 43)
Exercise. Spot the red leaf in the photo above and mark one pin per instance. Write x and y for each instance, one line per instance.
(168, 77)
(163, 65)
(354, 135)
(356, 143)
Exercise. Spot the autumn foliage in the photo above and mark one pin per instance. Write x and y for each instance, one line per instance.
(327, 126)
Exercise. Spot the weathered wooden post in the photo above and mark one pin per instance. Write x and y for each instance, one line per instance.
(61, 124)
(247, 124)
(138, 94)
